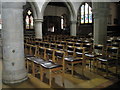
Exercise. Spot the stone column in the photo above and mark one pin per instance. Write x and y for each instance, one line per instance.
(73, 28)
(0, 30)
(38, 28)
(100, 13)
(14, 70)
(0, 47)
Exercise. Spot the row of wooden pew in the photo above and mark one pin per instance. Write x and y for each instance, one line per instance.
(45, 57)
(51, 60)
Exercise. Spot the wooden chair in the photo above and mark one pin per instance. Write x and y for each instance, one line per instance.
(70, 43)
(38, 60)
(110, 40)
(57, 42)
(117, 40)
(68, 40)
(60, 47)
(115, 44)
(41, 44)
(27, 49)
(77, 58)
(30, 59)
(98, 50)
(77, 44)
(52, 45)
(86, 41)
(37, 43)
(64, 43)
(46, 45)
(88, 47)
(110, 58)
(52, 41)
(79, 41)
(49, 54)
(53, 67)
(38, 39)
(80, 57)
(70, 51)
(41, 52)
(73, 40)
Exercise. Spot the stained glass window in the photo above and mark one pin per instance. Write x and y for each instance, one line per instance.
(82, 14)
(90, 15)
(86, 14)
(29, 20)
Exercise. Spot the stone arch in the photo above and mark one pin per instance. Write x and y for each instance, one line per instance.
(83, 1)
(67, 3)
(90, 3)
(36, 11)
(81, 29)
(36, 14)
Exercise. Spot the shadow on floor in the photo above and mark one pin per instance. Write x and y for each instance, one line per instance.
(115, 85)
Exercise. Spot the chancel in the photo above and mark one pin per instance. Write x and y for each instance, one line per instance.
(59, 44)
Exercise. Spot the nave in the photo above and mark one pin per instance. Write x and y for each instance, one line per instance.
(60, 44)
(82, 66)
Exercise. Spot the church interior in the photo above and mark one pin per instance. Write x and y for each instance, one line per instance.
(62, 44)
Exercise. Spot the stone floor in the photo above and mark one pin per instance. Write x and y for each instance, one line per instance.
(90, 79)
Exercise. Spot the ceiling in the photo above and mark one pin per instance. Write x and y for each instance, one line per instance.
(60, 4)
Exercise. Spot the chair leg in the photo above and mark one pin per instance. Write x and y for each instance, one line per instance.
(107, 69)
(72, 72)
(41, 73)
(94, 65)
(64, 67)
(33, 69)
(90, 65)
(27, 66)
(63, 79)
(83, 66)
(50, 78)
(101, 66)
(116, 67)
(97, 67)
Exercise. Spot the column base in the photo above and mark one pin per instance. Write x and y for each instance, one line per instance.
(14, 82)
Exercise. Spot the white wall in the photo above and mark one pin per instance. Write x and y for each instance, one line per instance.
(73, 7)
(55, 11)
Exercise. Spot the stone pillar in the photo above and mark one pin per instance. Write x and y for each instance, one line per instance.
(38, 28)
(73, 28)
(0, 46)
(14, 70)
(100, 13)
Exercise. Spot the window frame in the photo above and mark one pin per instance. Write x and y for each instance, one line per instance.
(84, 14)
(29, 16)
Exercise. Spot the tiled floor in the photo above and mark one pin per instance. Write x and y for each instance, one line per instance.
(32, 82)
(88, 80)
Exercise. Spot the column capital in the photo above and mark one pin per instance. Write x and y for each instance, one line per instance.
(38, 20)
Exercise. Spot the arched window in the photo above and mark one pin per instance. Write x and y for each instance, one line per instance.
(62, 22)
(29, 20)
(86, 14)
(0, 22)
